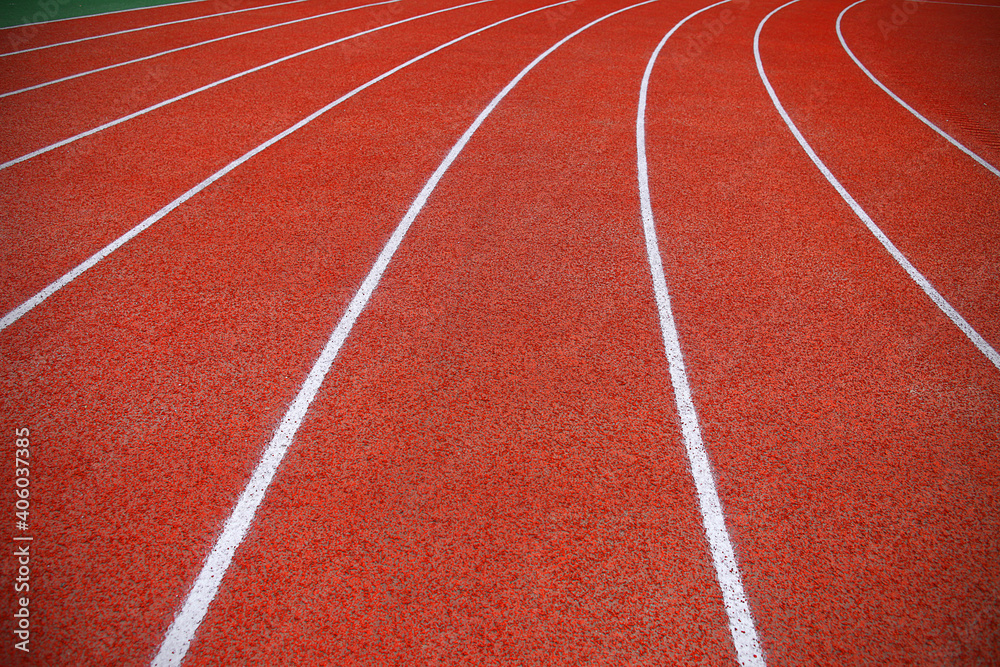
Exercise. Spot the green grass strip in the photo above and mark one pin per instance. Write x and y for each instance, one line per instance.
(20, 12)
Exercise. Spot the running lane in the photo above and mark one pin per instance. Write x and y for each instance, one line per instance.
(30, 36)
(940, 59)
(936, 204)
(21, 70)
(152, 383)
(853, 427)
(492, 471)
(62, 206)
(47, 115)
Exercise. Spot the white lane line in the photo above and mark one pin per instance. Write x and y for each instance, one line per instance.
(147, 27)
(727, 570)
(70, 276)
(917, 277)
(961, 4)
(986, 165)
(206, 585)
(160, 105)
(191, 46)
(87, 16)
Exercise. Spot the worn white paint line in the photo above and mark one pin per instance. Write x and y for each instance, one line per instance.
(233, 77)
(178, 639)
(191, 46)
(148, 27)
(950, 139)
(727, 571)
(917, 277)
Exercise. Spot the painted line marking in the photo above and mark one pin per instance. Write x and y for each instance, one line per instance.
(233, 77)
(185, 624)
(70, 276)
(986, 165)
(148, 27)
(962, 4)
(191, 46)
(727, 571)
(87, 16)
(915, 275)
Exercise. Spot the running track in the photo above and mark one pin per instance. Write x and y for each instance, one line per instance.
(412, 361)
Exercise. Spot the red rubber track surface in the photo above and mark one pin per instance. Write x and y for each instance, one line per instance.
(853, 427)
(941, 60)
(45, 116)
(937, 205)
(510, 496)
(28, 69)
(58, 218)
(493, 471)
(252, 297)
(61, 31)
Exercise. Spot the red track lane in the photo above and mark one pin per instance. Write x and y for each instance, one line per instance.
(854, 429)
(17, 38)
(937, 205)
(65, 205)
(492, 473)
(153, 382)
(45, 116)
(28, 69)
(941, 60)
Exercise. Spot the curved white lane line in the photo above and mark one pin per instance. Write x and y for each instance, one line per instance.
(146, 27)
(233, 77)
(191, 46)
(206, 585)
(87, 16)
(727, 571)
(917, 277)
(986, 165)
(70, 276)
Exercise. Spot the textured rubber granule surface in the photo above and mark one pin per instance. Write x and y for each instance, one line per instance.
(937, 205)
(940, 59)
(70, 202)
(854, 428)
(518, 493)
(493, 470)
(206, 325)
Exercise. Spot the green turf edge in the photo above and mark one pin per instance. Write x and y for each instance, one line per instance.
(20, 12)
